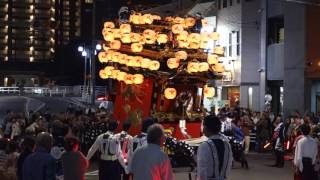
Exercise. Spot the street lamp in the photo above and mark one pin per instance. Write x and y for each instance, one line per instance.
(88, 52)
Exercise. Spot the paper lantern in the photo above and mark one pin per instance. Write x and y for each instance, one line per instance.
(178, 20)
(203, 67)
(203, 45)
(128, 79)
(194, 45)
(183, 36)
(103, 74)
(208, 91)
(108, 36)
(147, 18)
(149, 36)
(105, 47)
(194, 37)
(183, 44)
(135, 18)
(204, 22)
(115, 44)
(114, 73)
(162, 38)
(215, 36)
(189, 22)
(219, 50)
(145, 63)
(130, 61)
(213, 59)
(122, 59)
(137, 61)
(204, 36)
(125, 28)
(108, 70)
(138, 79)
(177, 29)
(109, 55)
(135, 37)
(115, 56)
(136, 47)
(218, 68)
(183, 55)
(106, 30)
(156, 17)
(121, 76)
(169, 19)
(173, 63)
(170, 93)
(193, 67)
(102, 56)
(125, 38)
(154, 65)
(109, 24)
(116, 33)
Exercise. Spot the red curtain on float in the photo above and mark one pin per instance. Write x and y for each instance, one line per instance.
(140, 98)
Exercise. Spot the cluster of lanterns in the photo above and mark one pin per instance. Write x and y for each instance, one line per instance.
(171, 93)
(194, 40)
(138, 18)
(131, 61)
(112, 73)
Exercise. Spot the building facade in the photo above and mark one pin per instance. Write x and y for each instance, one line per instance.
(30, 32)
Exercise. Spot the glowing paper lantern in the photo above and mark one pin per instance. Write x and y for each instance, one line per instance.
(156, 17)
(116, 33)
(177, 29)
(194, 45)
(125, 28)
(169, 19)
(123, 59)
(208, 91)
(193, 67)
(109, 24)
(105, 48)
(114, 73)
(121, 76)
(173, 63)
(149, 36)
(183, 36)
(115, 44)
(219, 50)
(194, 37)
(189, 22)
(138, 79)
(108, 36)
(170, 93)
(125, 38)
(135, 37)
(204, 22)
(103, 74)
(135, 18)
(108, 70)
(178, 20)
(147, 18)
(213, 59)
(128, 79)
(137, 61)
(219, 68)
(162, 38)
(115, 56)
(203, 67)
(136, 47)
(130, 61)
(183, 55)
(183, 44)
(215, 36)
(145, 63)
(102, 56)
(154, 65)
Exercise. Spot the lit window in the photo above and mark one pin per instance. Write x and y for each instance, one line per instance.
(52, 50)
(6, 58)
(31, 17)
(31, 59)
(31, 7)
(250, 91)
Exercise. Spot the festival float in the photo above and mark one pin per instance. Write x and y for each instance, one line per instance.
(164, 67)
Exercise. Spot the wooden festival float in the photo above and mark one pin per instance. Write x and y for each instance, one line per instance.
(159, 65)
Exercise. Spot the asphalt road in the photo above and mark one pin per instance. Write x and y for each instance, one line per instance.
(258, 170)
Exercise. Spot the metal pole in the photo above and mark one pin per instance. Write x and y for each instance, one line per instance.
(92, 55)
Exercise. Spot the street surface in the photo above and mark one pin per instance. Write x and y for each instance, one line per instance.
(258, 170)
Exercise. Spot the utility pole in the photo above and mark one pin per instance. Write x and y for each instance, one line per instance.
(93, 55)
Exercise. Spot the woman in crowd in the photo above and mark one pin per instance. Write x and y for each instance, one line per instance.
(27, 147)
(74, 163)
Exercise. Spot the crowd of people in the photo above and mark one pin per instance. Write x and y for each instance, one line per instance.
(42, 145)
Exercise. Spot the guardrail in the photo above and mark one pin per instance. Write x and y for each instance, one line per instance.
(53, 91)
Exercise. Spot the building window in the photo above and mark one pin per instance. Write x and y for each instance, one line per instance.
(250, 91)
(230, 44)
(231, 1)
(234, 44)
(224, 3)
(238, 43)
(219, 4)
